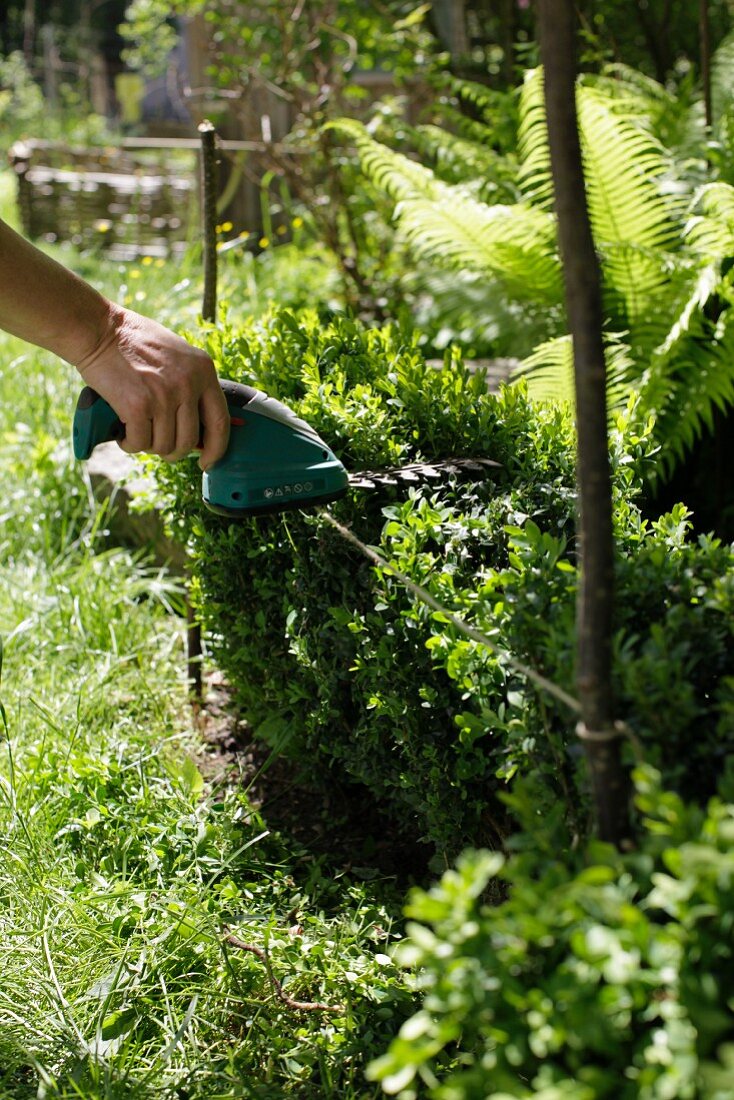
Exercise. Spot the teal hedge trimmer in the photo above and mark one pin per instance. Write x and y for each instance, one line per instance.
(274, 462)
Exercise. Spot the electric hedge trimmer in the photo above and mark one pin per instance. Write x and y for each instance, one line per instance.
(274, 462)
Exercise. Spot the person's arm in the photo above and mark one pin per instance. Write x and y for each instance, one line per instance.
(161, 387)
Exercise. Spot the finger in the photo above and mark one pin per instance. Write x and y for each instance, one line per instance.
(164, 433)
(188, 429)
(138, 436)
(215, 424)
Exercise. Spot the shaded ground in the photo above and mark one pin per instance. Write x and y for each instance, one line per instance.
(341, 822)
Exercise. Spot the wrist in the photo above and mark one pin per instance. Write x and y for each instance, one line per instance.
(90, 332)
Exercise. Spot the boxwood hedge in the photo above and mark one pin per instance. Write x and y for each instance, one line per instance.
(601, 975)
(334, 662)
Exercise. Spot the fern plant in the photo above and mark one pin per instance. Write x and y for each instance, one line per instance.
(663, 242)
(444, 222)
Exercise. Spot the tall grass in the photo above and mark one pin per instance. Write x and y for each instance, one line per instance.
(120, 866)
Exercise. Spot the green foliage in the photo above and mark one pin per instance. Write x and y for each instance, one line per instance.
(632, 220)
(316, 65)
(659, 39)
(325, 44)
(335, 662)
(25, 113)
(600, 975)
(21, 99)
(445, 223)
(123, 857)
(665, 339)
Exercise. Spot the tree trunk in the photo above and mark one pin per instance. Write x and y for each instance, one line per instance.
(705, 51)
(29, 32)
(582, 276)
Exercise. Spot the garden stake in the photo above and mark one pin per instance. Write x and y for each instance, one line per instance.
(208, 136)
(209, 218)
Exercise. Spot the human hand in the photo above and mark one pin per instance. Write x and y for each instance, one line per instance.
(165, 391)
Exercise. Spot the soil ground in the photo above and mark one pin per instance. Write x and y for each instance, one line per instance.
(340, 822)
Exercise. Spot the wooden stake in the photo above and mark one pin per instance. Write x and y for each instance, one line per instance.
(209, 218)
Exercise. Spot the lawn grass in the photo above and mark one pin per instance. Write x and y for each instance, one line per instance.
(121, 868)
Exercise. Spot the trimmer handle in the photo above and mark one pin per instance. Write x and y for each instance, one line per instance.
(96, 422)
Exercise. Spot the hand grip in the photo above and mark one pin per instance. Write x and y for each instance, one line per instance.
(94, 422)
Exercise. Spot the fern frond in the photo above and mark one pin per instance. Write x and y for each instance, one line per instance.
(685, 386)
(470, 128)
(397, 175)
(489, 102)
(634, 224)
(652, 327)
(636, 286)
(535, 177)
(514, 243)
(691, 373)
(687, 320)
(673, 119)
(711, 233)
(722, 77)
(638, 94)
(624, 167)
(549, 371)
(458, 160)
(632, 220)
(443, 223)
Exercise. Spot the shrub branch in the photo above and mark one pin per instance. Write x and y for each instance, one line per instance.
(289, 1002)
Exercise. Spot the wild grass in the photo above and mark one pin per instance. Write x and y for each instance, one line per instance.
(120, 866)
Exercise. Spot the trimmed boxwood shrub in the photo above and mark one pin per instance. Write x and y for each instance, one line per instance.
(601, 975)
(338, 665)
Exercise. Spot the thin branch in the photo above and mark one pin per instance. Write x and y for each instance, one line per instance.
(541, 682)
(289, 1002)
(705, 50)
